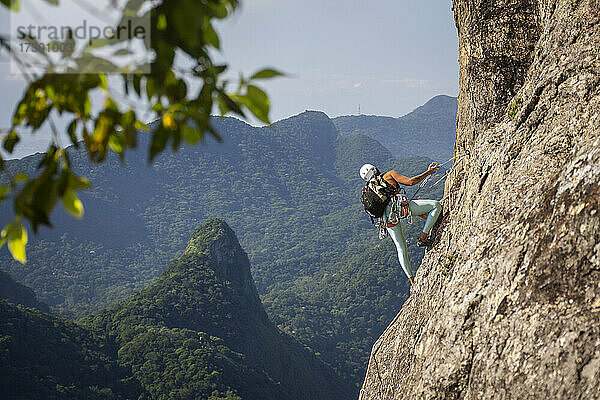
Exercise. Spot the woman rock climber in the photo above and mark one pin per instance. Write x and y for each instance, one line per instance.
(430, 210)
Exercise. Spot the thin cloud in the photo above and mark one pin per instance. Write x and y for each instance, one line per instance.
(407, 82)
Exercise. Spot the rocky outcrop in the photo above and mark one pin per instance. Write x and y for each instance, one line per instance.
(507, 305)
(215, 239)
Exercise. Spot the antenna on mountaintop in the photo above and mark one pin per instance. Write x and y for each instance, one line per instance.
(359, 109)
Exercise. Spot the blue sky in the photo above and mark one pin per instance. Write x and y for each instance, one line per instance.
(388, 56)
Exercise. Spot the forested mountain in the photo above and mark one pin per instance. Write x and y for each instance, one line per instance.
(428, 131)
(198, 332)
(207, 295)
(19, 294)
(45, 357)
(290, 192)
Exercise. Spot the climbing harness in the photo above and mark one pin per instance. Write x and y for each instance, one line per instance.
(399, 209)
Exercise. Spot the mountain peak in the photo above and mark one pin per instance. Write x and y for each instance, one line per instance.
(438, 104)
(440, 99)
(211, 235)
(217, 241)
(209, 291)
(312, 116)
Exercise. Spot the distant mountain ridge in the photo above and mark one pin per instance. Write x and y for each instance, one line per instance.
(428, 131)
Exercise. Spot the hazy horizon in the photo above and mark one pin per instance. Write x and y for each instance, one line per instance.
(31, 145)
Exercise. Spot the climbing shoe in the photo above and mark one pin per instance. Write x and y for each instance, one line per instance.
(425, 243)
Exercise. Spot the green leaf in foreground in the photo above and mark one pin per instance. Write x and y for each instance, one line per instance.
(4, 190)
(256, 101)
(16, 236)
(12, 5)
(72, 204)
(266, 73)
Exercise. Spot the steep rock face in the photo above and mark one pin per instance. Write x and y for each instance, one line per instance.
(507, 305)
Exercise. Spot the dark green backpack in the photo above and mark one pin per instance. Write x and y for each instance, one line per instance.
(376, 195)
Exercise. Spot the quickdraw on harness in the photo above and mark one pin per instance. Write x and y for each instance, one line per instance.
(399, 210)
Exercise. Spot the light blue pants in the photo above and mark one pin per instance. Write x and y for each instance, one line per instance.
(431, 208)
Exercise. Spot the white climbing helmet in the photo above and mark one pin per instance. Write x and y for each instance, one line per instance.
(367, 171)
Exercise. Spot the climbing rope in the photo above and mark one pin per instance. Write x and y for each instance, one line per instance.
(399, 203)
(459, 159)
(423, 183)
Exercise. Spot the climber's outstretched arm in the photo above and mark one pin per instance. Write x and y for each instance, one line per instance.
(415, 179)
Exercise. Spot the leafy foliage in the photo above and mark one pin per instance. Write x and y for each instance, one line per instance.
(181, 26)
(19, 294)
(175, 363)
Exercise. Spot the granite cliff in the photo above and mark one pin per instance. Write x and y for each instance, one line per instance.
(507, 305)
